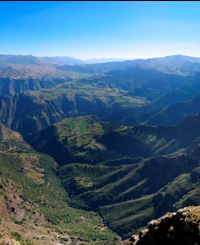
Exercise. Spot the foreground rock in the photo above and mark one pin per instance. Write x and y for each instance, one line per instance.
(181, 227)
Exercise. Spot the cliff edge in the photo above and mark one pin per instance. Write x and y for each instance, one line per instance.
(181, 227)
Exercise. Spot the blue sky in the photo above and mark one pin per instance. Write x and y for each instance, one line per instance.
(100, 29)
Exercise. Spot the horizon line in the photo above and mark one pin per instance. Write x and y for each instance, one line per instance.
(97, 58)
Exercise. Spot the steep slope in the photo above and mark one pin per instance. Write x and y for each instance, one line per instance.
(181, 227)
(105, 170)
(9, 86)
(85, 139)
(34, 110)
(175, 113)
(128, 175)
(156, 112)
(19, 73)
(33, 205)
(124, 195)
(107, 97)
(73, 140)
(127, 96)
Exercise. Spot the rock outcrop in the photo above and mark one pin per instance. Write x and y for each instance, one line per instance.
(181, 227)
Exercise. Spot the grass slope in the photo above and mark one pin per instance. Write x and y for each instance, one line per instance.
(116, 171)
(33, 203)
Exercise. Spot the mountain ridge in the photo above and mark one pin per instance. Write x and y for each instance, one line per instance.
(115, 164)
(97, 122)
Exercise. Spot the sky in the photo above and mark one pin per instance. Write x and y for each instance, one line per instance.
(100, 29)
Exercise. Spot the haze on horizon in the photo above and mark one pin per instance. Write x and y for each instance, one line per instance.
(102, 29)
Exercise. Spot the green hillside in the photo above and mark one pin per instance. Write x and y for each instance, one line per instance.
(105, 166)
(35, 110)
(120, 147)
(31, 102)
(85, 139)
(33, 204)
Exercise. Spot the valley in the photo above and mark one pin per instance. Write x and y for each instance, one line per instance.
(108, 146)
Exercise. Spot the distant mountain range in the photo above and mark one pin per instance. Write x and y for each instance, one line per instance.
(57, 60)
(33, 60)
(102, 60)
(66, 60)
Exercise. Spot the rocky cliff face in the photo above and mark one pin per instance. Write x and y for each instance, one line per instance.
(181, 227)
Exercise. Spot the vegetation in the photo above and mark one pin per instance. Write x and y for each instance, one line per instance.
(123, 177)
(36, 201)
(174, 228)
(124, 149)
